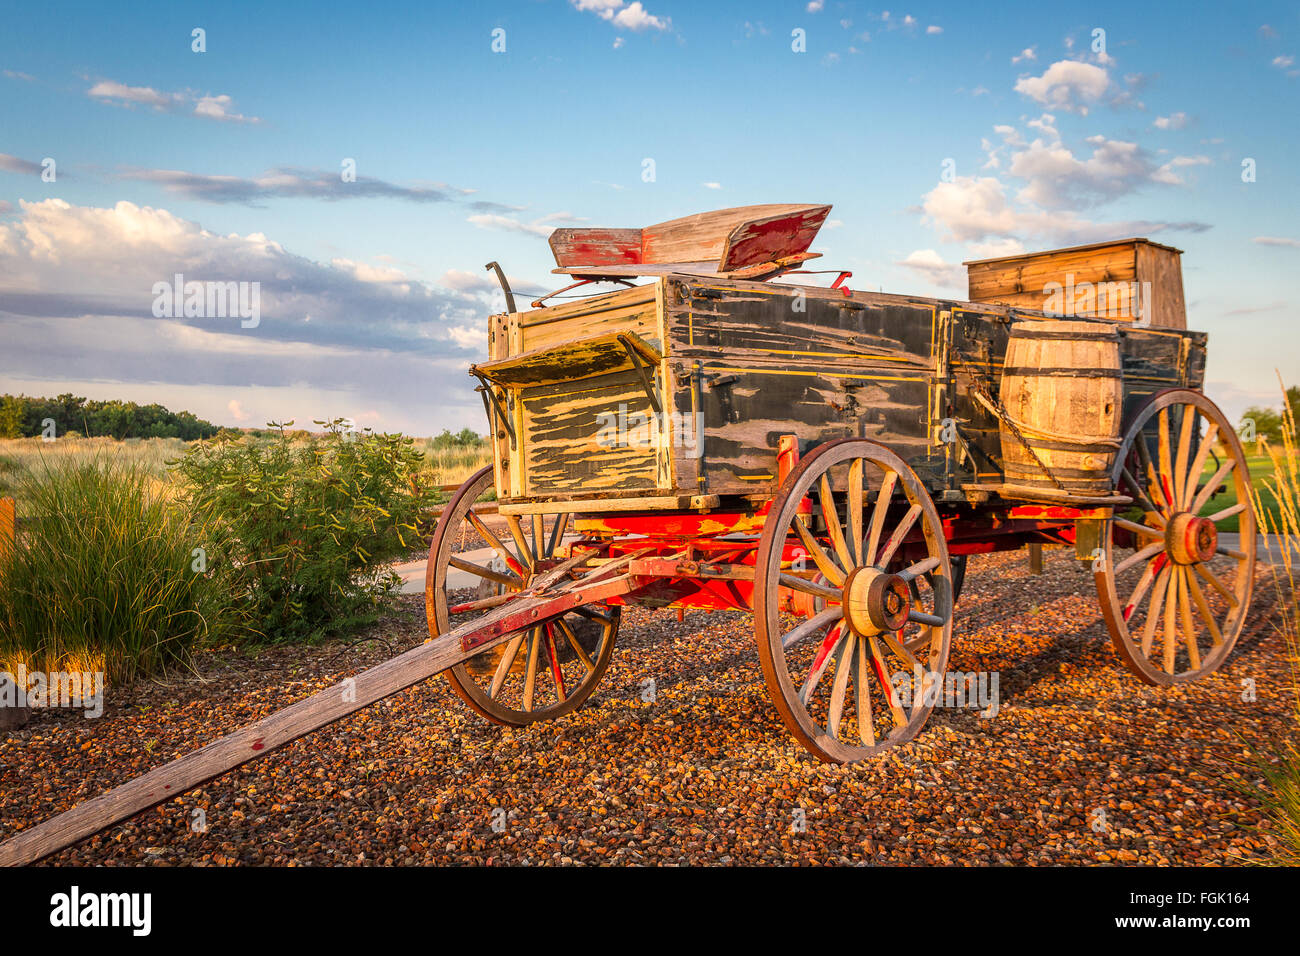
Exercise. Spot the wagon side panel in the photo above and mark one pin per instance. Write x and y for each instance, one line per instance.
(754, 361)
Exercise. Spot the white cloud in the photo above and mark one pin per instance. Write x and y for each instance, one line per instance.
(934, 267)
(219, 108)
(815, 6)
(542, 226)
(236, 410)
(346, 338)
(974, 209)
(1276, 241)
(995, 248)
(932, 29)
(1067, 85)
(1172, 121)
(187, 102)
(711, 185)
(632, 16)
(1028, 53)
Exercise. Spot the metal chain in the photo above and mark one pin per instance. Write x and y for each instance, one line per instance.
(1004, 416)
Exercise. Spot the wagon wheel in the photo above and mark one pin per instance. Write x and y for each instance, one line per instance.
(858, 673)
(1176, 604)
(543, 672)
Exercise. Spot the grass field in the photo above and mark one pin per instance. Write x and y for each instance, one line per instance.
(444, 466)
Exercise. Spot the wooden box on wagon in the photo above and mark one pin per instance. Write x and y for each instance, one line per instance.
(1127, 280)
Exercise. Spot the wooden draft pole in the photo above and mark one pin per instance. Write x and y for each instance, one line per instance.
(326, 706)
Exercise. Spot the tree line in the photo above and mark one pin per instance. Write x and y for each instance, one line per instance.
(22, 416)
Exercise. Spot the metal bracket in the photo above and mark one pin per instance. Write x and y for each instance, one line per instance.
(485, 390)
(640, 367)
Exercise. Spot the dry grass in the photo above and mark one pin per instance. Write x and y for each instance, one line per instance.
(451, 466)
(1283, 521)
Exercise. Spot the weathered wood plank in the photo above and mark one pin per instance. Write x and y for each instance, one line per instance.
(703, 236)
(595, 246)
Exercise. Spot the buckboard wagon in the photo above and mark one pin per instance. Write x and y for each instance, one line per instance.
(826, 458)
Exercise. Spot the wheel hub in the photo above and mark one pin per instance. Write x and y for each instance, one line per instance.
(1190, 539)
(875, 601)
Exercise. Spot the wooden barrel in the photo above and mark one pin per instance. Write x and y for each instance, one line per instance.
(1062, 396)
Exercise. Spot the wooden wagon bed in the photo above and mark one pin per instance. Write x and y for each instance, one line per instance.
(671, 394)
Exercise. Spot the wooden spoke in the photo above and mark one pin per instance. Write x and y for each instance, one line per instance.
(1198, 465)
(1213, 580)
(1203, 608)
(1199, 501)
(530, 680)
(481, 605)
(1171, 623)
(812, 626)
(895, 645)
(810, 587)
(1236, 509)
(517, 532)
(557, 533)
(866, 725)
(1143, 529)
(840, 688)
(509, 580)
(507, 662)
(833, 528)
(896, 539)
(878, 514)
(818, 553)
(577, 646)
(857, 506)
(1144, 583)
(1141, 498)
(1153, 615)
(1153, 478)
(823, 658)
(1235, 555)
(1163, 451)
(539, 536)
(918, 569)
(1189, 627)
(593, 615)
(512, 562)
(556, 674)
(1184, 451)
(1137, 557)
(900, 717)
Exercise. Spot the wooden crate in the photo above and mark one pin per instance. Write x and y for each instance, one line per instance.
(1122, 280)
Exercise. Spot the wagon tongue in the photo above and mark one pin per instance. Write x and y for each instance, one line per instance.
(325, 707)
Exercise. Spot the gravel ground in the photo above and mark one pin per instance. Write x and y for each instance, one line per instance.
(1081, 764)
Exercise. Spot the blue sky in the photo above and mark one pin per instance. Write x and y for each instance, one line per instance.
(226, 165)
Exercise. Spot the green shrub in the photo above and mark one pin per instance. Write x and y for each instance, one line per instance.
(102, 575)
(312, 522)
